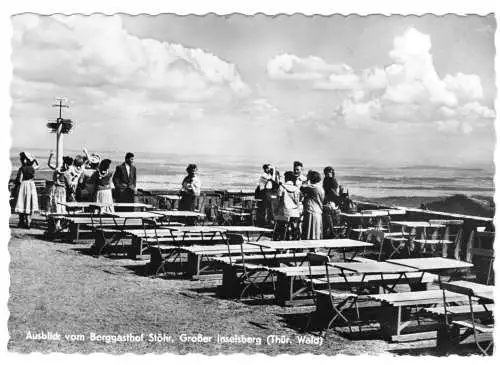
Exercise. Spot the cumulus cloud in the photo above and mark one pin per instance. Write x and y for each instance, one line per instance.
(407, 91)
(97, 52)
(293, 68)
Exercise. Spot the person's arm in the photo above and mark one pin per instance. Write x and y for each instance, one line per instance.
(19, 176)
(133, 178)
(196, 186)
(50, 163)
(116, 179)
(36, 165)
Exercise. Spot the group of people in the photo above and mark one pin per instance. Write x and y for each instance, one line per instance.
(88, 178)
(300, 206)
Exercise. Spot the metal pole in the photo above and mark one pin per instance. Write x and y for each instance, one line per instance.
(59, 145)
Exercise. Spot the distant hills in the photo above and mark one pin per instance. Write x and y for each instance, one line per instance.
(461, 204)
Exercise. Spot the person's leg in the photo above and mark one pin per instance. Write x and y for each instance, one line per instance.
(21, 220)
(28, 221)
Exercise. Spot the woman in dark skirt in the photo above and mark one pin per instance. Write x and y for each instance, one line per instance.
(27, 198)
(191, 187)
(331, 208)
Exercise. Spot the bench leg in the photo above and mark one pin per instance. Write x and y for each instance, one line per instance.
(99, 242)
(230, 282)
(193, 265)
(73, 232)
(391, 322)
(448, 338)
(135, 248)
(284, 290)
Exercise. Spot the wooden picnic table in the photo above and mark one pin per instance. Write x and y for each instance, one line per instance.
(247, 230)
(169, 196)
(469, 288)
(140, 215)
(375, 267)
(479, 322)
(173, 199)
(134, 205)
(179, 213)
(77, 205)
(392, 273)
(250, 198)
(432, 263)
(366, 214)
(340, 243)
(417, 224)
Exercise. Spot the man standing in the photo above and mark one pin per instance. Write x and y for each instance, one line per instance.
(124, 180)
(299, 178)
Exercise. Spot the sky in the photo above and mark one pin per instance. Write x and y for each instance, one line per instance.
(376, 89)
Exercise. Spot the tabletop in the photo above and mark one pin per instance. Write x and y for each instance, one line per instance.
(178, 213)
(470, 288)
(310, 244)
(431, 263)
(170, 197)
(77, 204)
(121, 205)
(143, 215)
(417, 224)
(366, 214)
(250, 198)
(198, 229)
(245, 229)
(372, 267)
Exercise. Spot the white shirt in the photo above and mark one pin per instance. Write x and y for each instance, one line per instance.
(127, 167)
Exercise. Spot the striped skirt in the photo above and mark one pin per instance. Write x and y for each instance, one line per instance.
(105, 197)
(27, 198)
(56, 197)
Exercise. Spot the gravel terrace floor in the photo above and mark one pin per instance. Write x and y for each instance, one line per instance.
(55, 287)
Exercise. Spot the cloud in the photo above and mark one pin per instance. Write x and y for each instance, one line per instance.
(288, 67)
(97, 52)
(411, 91)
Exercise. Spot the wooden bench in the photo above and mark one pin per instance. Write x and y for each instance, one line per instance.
(252, 271)
(77, 224)
(201, 259)
(454, 327)
(291, 281)
(394, 303)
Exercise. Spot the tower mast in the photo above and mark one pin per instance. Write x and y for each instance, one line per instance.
(59, 127)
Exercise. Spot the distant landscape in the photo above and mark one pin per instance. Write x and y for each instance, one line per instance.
(457, 189)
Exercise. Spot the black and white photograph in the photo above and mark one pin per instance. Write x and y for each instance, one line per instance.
(252, 184)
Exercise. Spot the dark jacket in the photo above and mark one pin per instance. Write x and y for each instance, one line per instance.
(122, 181)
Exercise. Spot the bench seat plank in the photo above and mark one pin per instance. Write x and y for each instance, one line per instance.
(418, 298)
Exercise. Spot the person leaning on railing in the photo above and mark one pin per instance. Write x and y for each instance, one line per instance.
(191, 189)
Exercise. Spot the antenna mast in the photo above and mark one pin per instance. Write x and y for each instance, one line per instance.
(59, 127)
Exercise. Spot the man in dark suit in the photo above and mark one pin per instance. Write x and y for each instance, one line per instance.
(124, 180)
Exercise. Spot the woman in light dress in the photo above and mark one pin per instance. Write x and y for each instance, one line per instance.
(61, 184)
(27, 198)
(314, 195)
